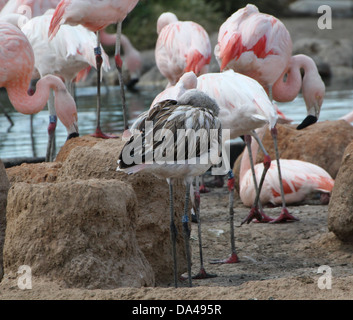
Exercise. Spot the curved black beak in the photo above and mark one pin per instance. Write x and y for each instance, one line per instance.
(307, 122)
(72, 135)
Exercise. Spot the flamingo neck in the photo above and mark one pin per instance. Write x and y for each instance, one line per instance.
(288, 86)
(126, 44)
(348, 117)
(107, 39)
(312, 82)
(27, 104)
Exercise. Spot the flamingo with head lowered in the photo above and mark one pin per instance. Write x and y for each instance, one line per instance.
(16, 68)
(259, 46)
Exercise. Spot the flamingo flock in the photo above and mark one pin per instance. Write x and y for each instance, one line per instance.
(256, 68)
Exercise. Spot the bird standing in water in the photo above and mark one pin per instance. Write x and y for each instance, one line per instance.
(161, 149)
(67, 56)
(96, 16)
(16, 68)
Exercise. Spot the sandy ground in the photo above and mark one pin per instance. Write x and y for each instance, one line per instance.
(277, 261)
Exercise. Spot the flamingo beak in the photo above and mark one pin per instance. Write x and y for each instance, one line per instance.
(310, 119)
(72, 135)
(73, 131)
(313, 115)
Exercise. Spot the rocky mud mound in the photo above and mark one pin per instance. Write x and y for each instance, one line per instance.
(80, 222)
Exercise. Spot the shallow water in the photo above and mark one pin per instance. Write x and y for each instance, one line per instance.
(18, 141)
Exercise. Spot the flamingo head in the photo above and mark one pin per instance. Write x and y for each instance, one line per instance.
(67, 113)
(313, 90)
(313, 94)
(165, 19)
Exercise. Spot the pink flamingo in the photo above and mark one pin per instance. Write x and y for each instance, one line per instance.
(259, 46)
(96, 16)
(37, 7)
(251, 43)
(16, 68)
(68, 56)
(132, 57)
(70, 52)
(244, 106)
(133, 61)
(182, 46)
(300, 178)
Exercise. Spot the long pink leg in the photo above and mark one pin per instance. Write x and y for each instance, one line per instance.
(285, 215)
(233, 258)
(98, 53)
(119, 67)
(255, 212)
(202, 273)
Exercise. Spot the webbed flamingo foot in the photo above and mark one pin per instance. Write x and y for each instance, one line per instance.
(204, 275)
(100, 134)
(285, 216)
(254, 214)
(233, 258)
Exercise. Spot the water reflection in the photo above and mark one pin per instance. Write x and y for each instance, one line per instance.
(17, 141)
